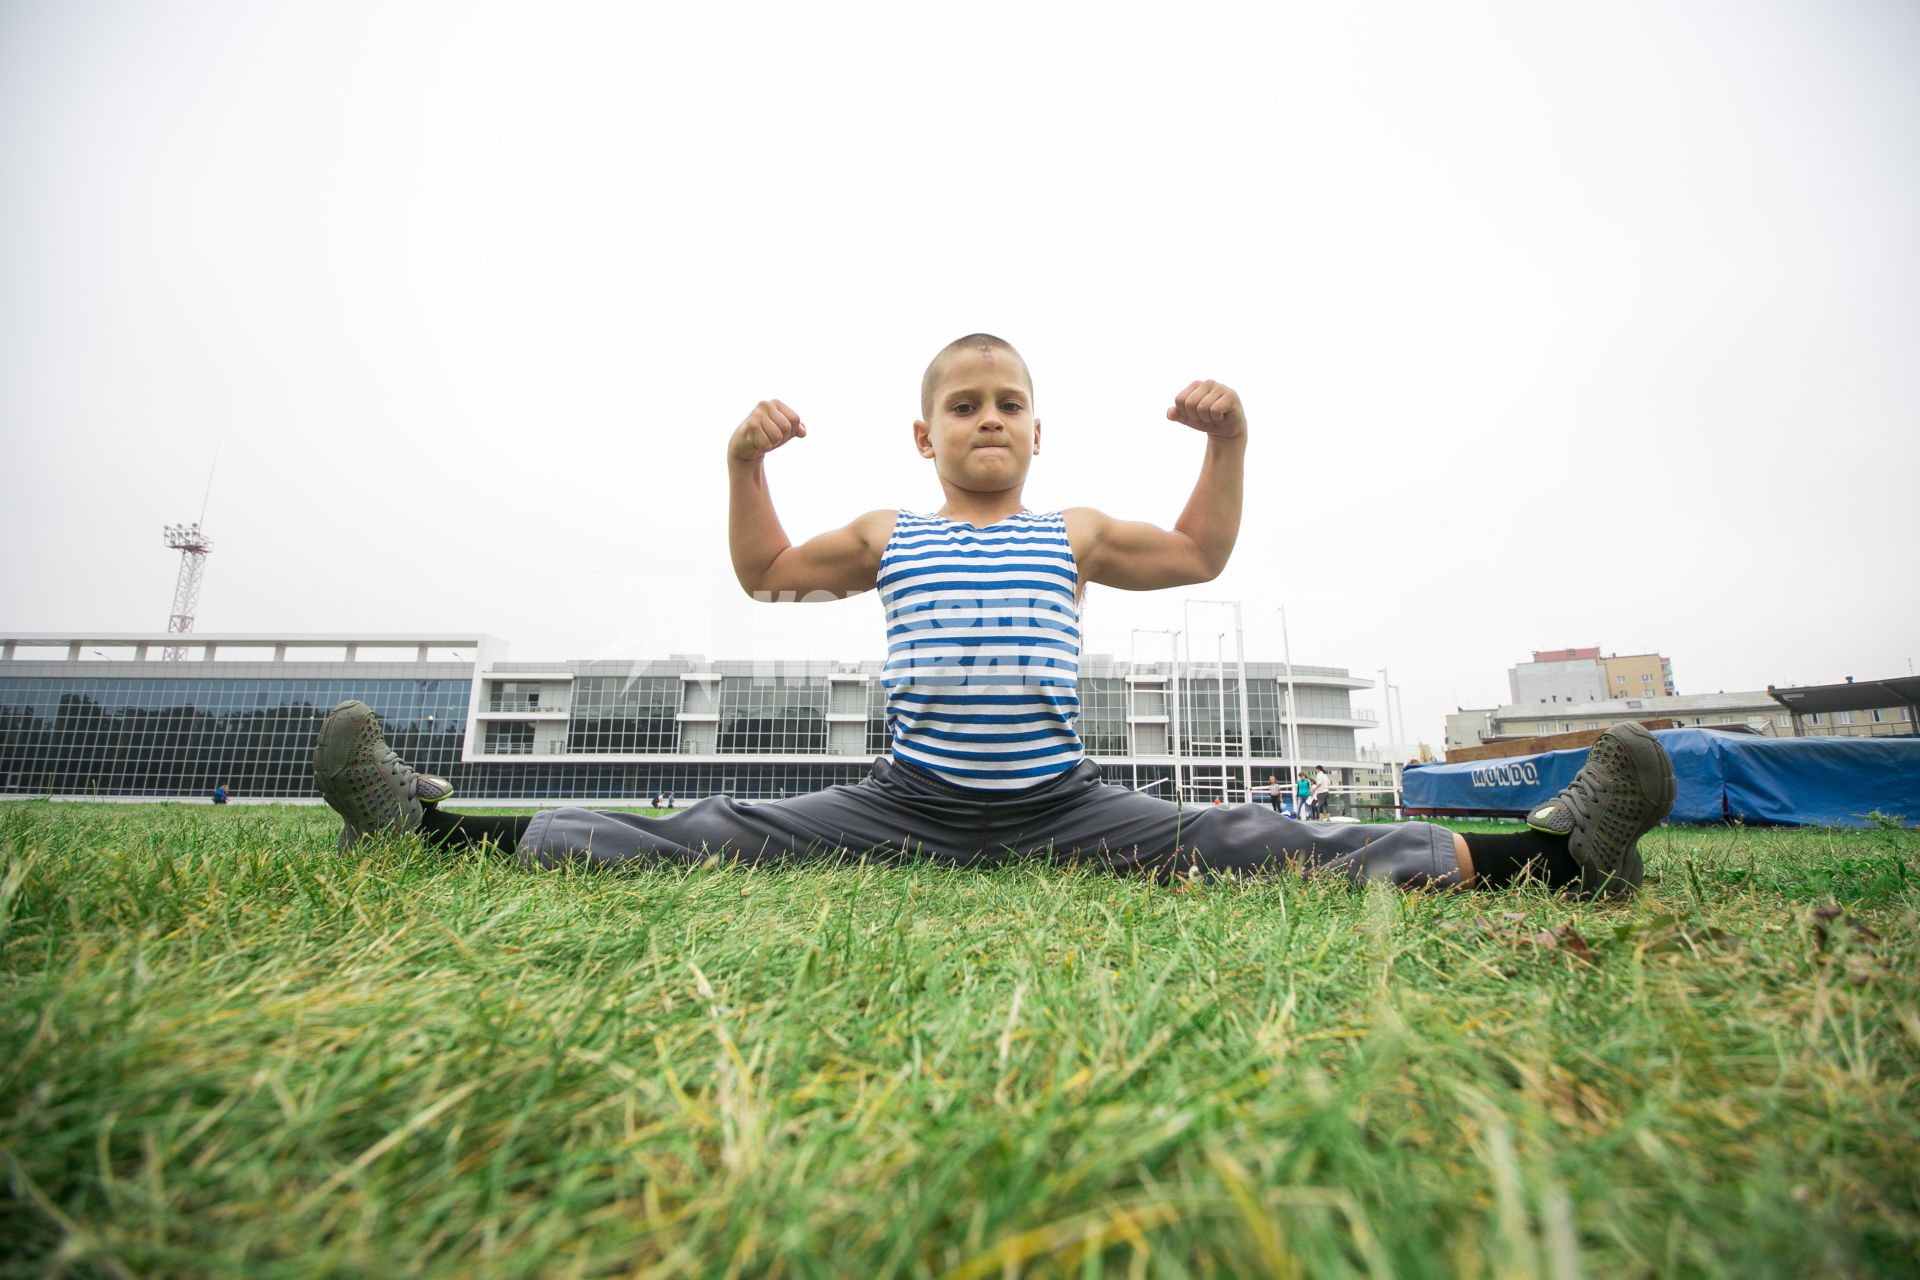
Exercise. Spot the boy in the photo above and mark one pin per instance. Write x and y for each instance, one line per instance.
(982, 606)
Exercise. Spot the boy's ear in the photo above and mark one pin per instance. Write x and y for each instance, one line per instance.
(922, 439)
(1036, 435)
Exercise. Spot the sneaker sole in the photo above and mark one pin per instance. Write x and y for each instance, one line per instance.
(1654, 779)
(340, 735)
(335, 760)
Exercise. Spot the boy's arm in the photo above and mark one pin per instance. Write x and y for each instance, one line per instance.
(770, 567)
(1142, 557)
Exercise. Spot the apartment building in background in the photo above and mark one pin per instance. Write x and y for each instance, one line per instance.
(1585, 675)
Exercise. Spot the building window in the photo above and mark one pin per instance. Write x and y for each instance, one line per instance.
(879, 732)
(1593, 724)
(1845, 717)
(1103, 716)
(1814, 718)
(1204, 720)
(510, 739)
(509, 695)
(780, 716)
(1875, 713)
(618, 715)
(156, 737)
(1726, 719)
(1619, 679)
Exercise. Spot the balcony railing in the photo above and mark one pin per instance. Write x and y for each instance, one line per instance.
(512, 705)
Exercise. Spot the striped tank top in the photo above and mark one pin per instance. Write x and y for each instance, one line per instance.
(983, 649)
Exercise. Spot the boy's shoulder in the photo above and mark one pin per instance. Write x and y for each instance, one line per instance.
(875, 528)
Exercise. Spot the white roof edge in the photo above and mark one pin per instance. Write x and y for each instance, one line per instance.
(194, 639)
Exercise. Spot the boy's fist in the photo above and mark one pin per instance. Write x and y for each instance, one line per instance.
(1210, 407)
(770, 425)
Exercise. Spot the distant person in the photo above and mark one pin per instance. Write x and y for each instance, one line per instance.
(1302, 794)
(985, 762)
(1322, 791)
(1274, 793)
(219, 793)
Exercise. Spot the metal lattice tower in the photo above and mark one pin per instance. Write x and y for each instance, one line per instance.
(193, 547)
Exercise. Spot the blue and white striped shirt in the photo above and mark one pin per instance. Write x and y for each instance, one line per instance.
(983, 649)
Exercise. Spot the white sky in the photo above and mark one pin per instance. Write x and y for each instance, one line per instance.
(1558, 324)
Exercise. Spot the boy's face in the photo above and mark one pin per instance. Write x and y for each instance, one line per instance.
(983, 433)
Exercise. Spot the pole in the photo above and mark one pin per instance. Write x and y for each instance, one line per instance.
(1399, 772)
(1186, 615)
(1220, 667)
(1386, 703)
(1173, 714)
(1246, 710)
(1293, 717)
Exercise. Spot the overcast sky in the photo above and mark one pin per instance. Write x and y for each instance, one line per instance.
(1557, 324)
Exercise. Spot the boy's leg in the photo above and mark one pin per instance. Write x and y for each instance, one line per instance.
(1082, 817)
(365, 781)
(1624, 790)
(456, 830)
(895, 812)
(374, 790)
(1587, 836)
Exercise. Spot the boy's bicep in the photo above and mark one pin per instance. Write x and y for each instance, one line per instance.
(1132, 554)
(836, 563)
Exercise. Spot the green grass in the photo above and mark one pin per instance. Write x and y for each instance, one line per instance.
(226, 1049)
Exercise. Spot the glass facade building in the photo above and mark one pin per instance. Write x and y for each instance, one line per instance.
(172, 736)
(103, 716)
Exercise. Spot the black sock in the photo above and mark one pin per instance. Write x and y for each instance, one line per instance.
(1499, 860)
(455, 830)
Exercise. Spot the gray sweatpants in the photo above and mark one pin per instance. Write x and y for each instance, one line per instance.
(901, 812)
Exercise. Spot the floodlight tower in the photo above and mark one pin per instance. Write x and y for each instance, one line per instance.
(193, 547)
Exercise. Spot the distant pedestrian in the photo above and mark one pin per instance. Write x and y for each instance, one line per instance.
(1322, 791)
(1302, 791)
(219, 793)
(1274, 792)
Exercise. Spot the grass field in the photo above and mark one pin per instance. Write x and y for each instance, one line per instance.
(226, 1049)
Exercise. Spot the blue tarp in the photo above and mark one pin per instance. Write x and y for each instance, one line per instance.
(1803, 782)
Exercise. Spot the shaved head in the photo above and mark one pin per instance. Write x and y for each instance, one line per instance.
(930, 381)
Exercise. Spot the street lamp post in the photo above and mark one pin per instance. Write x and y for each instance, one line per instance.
(1220, 669)
(1387, 691)
(1240, 651)
(1293, 714)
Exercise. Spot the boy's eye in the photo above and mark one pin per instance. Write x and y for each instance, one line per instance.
(1010, 406)
(962, 407)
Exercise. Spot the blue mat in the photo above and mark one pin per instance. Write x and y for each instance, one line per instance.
(1802, 782)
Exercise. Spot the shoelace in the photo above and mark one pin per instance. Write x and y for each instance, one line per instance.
(1580, 797)
(397, 769)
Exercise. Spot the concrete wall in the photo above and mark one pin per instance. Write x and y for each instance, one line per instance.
(1575, 680)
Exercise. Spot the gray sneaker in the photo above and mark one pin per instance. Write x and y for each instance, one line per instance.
(362, 779)
(1622, 792)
